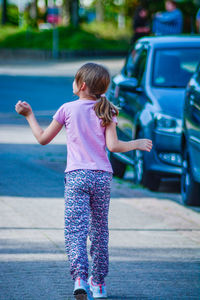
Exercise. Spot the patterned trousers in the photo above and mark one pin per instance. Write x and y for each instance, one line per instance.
(87, 198)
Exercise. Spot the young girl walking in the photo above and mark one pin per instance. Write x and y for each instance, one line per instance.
(90, 124)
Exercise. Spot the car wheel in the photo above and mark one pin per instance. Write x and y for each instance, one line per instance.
(141, 176)
(119, 167)
(139, 172)
(190, 189)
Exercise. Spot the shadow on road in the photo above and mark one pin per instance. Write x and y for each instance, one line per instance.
(32, 170)
(154, 273)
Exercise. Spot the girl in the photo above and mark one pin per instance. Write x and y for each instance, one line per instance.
(90, 124)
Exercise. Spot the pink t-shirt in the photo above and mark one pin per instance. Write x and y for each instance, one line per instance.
(86, 145)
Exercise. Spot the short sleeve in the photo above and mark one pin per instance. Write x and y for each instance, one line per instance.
(60, 115)
(114, 119)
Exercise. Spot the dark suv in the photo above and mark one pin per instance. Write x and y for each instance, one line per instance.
(150, 93)
(190, 179)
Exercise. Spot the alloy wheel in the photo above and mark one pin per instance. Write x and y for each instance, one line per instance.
(185, 178)
(138, 166)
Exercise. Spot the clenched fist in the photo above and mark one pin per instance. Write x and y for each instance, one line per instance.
(23, 108)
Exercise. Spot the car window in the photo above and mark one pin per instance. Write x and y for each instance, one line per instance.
(130, 63)
(135, 65)
(174, 67)
(140, 66)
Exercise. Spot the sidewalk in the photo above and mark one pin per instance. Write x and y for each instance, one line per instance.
(154, 240)
(54, 68)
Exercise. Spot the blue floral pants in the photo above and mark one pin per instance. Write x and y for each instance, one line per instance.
(87, 198)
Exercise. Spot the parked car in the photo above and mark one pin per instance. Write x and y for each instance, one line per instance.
(190, 179)
(150, 94)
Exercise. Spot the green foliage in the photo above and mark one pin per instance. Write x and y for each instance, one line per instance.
(108, 30)
(82, 38)
(6, 32)
(13, 16)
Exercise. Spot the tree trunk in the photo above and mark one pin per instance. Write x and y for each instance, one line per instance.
(36, 9)
(74, 12)
(66, 11)
(4, 12)
(71, 12)
(99, 11)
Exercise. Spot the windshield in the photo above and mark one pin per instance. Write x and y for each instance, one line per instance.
(174, 67)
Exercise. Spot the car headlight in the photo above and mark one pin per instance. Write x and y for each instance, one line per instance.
(167, 123)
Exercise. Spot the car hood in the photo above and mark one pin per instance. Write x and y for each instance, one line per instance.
(170, 100)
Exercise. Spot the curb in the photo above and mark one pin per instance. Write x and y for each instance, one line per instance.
(63, 54)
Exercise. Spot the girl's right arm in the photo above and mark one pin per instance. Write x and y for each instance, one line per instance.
(43, 136)
(115, 145)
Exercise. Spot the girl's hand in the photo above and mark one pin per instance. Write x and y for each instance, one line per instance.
(23, 108)
(144, 144)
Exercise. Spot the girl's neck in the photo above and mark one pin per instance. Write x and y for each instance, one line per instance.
(87, 98)
(84, 96)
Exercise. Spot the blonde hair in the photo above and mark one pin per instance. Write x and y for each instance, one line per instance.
(97, 79)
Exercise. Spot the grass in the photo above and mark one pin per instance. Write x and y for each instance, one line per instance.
(128, 183)
(87, 37)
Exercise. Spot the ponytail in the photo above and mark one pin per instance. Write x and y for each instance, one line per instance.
(105, 110)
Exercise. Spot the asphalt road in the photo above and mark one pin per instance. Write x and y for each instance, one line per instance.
(154, 239)
(45, 85)
(44, 93)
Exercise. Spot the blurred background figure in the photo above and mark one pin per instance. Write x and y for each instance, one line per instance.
(168, 22)
(198, 21)
(141, 24)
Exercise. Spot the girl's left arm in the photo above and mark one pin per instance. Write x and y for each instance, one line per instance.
(115, 145)
(43, 136)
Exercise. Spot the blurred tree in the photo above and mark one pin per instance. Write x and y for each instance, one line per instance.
(66, 12)
(99, 5)
(13, 15)
(71, 12)
(116, 11)
(4, 12)
(45, 9)
(75, 12)
(35, 5)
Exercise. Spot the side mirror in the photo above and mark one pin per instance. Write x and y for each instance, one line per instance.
(129, 84)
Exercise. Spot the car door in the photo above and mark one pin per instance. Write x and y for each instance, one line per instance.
(131, 99)
(193, 118)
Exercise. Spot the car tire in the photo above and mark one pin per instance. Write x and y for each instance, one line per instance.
(141, 175)
(190, 189)
(118, 166)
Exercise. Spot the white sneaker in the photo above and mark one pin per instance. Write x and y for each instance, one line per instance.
(82, 290)
(98, 290)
